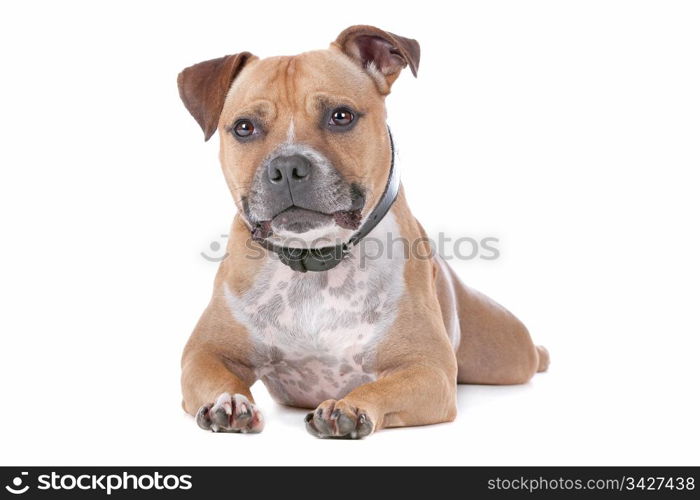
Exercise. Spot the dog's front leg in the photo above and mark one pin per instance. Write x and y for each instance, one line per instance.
(219, 399)
(216, 380)
(413, 395)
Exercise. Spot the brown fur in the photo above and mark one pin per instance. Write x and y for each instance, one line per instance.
(416, 364)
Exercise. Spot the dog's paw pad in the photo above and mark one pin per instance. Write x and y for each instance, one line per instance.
(337, 419)
(230, 414)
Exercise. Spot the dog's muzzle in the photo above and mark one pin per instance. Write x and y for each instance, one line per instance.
(291, 175)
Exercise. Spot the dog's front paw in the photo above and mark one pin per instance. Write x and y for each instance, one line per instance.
(338, 419)
(230, 414)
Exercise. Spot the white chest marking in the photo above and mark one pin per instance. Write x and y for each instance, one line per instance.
(315, 334)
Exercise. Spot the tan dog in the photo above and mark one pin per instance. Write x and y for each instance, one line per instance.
(369, 343)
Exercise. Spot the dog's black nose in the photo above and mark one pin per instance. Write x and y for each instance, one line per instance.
(289, 169)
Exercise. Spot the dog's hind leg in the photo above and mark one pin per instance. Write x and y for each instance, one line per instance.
(494, 346)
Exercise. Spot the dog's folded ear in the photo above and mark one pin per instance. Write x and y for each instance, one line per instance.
(203, 88)
(379, 51)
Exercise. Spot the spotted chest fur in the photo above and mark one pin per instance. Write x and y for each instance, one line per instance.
(315, 334)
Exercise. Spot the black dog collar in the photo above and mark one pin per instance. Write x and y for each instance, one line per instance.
(323, 259)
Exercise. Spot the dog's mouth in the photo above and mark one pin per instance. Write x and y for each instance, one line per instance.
(297, 220)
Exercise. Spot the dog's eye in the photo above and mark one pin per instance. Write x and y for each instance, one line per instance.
(341, 117)
(243, 128)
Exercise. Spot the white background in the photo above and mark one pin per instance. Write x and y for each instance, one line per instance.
(569, 130)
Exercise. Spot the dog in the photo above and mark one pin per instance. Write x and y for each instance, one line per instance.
(365, 343)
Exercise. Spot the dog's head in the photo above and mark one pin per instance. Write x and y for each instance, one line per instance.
(304, 144)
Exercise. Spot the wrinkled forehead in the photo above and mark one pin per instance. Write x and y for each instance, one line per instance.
(300, 84)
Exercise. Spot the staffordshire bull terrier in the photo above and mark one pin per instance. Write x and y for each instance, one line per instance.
(367, 343)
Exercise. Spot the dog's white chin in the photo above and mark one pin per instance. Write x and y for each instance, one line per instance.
(319, 237)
